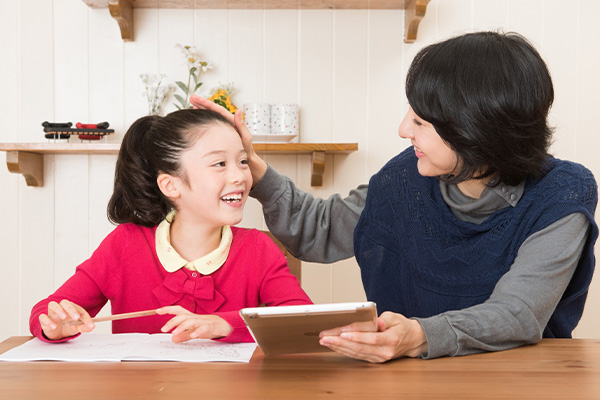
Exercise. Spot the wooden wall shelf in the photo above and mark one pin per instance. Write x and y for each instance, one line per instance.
(28, 158)
(122, 10)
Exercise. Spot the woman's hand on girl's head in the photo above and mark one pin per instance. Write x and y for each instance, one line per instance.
(236, 120)
(187, 325)
(205, 104)
(257, 165)
(65, 311)
(397, 336)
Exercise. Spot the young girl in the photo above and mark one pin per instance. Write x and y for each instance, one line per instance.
(181, 181)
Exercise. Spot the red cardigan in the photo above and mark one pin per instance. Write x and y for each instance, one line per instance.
(125, 270)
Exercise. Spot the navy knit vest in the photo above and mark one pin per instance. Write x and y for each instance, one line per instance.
(418, 259)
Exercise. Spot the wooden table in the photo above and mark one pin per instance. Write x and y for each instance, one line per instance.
(553, 369)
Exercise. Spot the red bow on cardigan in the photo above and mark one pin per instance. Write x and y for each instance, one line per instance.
(196, 294)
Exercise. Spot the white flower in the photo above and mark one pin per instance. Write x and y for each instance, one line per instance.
(205, 66)
(195, 66)
(156, 94)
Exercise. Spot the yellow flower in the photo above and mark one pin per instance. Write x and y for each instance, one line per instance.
(223, 98)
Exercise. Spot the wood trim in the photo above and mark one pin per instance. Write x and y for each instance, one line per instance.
(262, 4)
(27, 158)
(122, 10)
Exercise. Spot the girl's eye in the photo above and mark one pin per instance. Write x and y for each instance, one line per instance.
(244, 162)
(220, 164)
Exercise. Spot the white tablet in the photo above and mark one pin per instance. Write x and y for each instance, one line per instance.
(295, 329)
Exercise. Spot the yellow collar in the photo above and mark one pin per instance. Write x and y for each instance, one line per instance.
(172, 261)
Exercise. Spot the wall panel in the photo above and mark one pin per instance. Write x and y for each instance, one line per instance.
(346, 69)
(36, 205)
(315, 65)
(586, 134)
(106, 75)
(9, 194)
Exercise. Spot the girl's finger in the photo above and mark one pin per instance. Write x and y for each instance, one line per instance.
(55, 311)
(173, 323)
(174, 310)
(182, 337)
(47, 323)
(70, 309)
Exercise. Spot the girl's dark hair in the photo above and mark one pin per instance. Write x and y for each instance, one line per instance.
(488, 95)
(153, 145)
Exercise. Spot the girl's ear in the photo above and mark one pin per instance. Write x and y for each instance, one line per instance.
(168, 185)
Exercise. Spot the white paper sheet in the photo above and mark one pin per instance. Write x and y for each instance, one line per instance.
(130, 347)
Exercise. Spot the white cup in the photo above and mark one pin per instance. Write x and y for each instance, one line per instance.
(285, 119)
(258, 118)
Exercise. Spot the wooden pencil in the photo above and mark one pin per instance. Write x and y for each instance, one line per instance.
(115, 317)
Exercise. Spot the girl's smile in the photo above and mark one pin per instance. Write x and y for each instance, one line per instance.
(233, 199)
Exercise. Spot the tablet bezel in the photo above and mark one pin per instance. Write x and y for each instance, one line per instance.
(295, 329)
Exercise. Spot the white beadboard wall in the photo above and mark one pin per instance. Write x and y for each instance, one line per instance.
(63, 61)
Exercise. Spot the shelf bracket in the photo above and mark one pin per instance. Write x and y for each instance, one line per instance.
(414, 13)
(30, 165)
(317, 168)
(122, 12)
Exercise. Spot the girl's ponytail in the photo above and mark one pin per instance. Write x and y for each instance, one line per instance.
(136, 197)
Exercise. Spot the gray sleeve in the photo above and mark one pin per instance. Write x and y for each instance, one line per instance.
(312, 229)
(522, 301)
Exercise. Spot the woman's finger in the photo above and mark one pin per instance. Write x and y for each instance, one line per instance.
(357, 350)
(244, 132)
(202, 103)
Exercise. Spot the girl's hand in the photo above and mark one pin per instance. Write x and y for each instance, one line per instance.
(65, 311)
(397, 336)
(257, 166)
(187, 325)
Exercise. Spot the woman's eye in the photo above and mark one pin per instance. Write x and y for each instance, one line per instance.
(244, 162)
(417, 122)
(220, 164)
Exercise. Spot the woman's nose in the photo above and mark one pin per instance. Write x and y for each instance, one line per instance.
(405, 128)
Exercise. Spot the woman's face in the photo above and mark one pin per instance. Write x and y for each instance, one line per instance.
(435, 156)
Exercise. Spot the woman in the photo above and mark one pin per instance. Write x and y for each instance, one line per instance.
(475, 238)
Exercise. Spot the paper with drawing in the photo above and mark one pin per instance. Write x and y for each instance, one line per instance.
(130, 347)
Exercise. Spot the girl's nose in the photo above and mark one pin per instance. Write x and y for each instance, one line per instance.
(236, 175)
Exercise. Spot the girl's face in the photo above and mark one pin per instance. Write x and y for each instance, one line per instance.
(218, 178)
(435, 156)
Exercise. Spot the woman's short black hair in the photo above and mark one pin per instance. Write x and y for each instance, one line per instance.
(151, 146)
(488, 95)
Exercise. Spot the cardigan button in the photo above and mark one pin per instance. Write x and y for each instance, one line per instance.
(194, 274)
